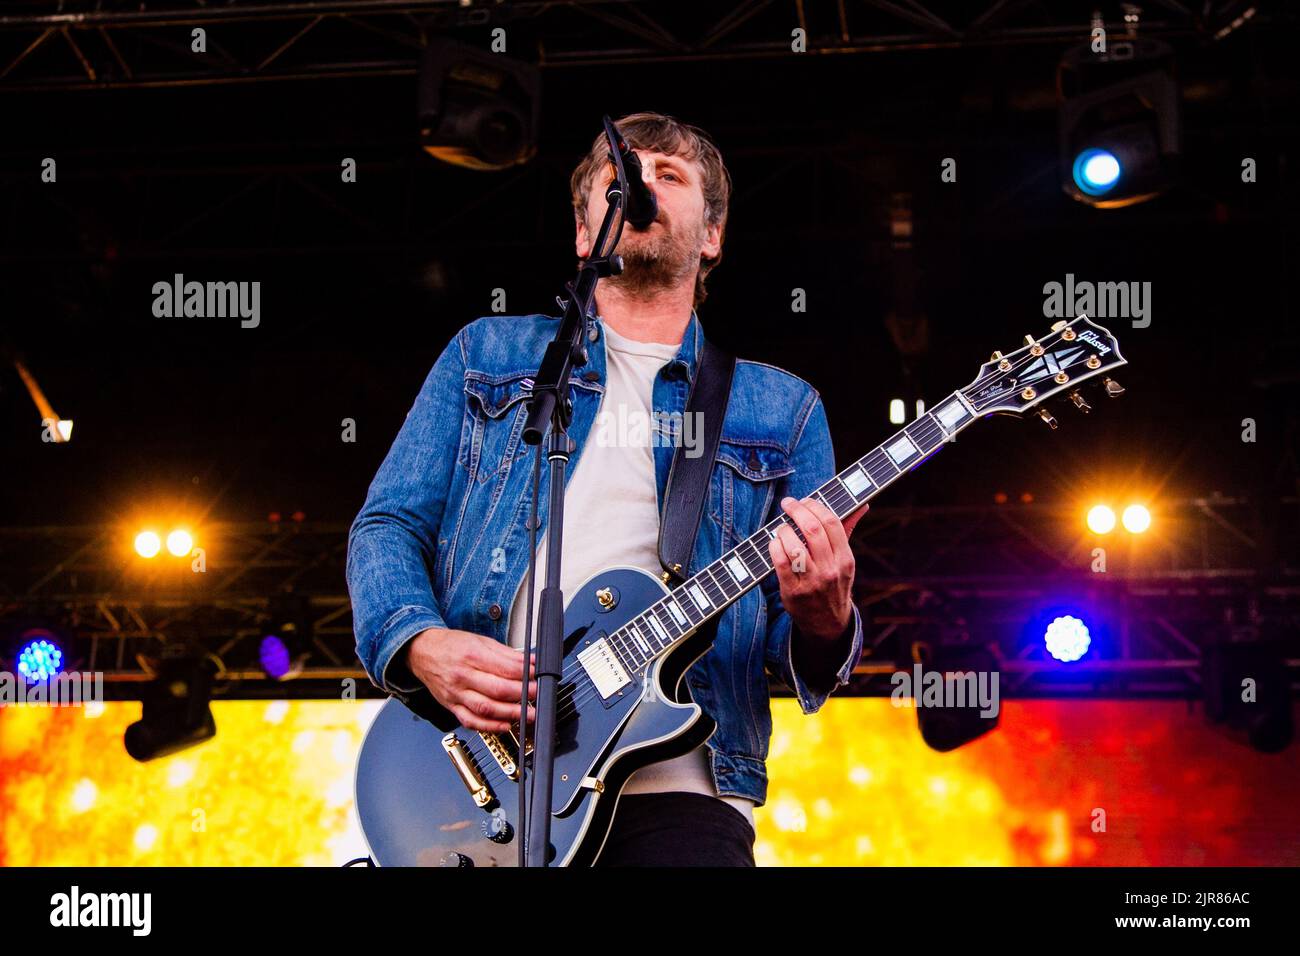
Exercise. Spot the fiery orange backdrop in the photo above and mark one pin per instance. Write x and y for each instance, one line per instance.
(1058, 783)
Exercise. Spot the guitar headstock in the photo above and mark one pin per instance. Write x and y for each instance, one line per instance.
(1076, 351)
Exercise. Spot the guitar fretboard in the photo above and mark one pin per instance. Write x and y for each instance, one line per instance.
(714, 588)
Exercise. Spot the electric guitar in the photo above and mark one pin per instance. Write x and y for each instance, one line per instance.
(438, 794)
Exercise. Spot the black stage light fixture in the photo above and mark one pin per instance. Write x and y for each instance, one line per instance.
(477, 109)
(960, 675)
(177, 705)
(1247, 687)
(1120, 123)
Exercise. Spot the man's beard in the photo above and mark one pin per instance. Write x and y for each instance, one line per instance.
(657, 259)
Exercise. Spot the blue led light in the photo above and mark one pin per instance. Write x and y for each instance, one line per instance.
(39, 660)
(274, 655)
(1096, 171)
(1067, 638)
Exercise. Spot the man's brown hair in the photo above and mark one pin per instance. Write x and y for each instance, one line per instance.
(658, 133)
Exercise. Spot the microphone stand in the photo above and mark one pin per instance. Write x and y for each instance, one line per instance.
(550, 402)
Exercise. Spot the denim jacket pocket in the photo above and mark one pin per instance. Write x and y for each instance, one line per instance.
(491, 439)
(496, 394)
(494, 439)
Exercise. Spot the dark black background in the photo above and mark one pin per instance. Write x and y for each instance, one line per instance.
(363, 284)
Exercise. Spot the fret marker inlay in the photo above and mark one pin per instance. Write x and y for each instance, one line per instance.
(636, 633)
(901, 449)
(658, 629)
(952, 415)
(857, 482)
(676, 612)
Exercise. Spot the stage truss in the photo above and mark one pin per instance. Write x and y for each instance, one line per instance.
(100, 44)
(1211, 570)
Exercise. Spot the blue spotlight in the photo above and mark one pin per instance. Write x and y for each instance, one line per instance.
(39, 659)
(1096, 171)
(274, 655)
(1067, 638)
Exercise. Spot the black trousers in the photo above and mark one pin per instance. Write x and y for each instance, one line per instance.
(677, 829)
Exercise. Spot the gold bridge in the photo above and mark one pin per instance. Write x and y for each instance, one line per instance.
(469, 775)
(500, 754)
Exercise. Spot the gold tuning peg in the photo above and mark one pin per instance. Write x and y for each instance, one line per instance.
(1046, 416)
(1080, 402)
(1057, 326)
(1113, 388)
(1030, 340)
(995, 356)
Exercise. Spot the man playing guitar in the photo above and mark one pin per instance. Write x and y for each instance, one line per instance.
(435, 540)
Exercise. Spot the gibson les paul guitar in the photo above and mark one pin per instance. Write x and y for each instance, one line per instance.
(434, 793)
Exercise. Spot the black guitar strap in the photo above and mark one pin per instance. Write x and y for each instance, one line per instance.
(688, 478)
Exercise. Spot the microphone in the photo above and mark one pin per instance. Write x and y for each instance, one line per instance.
(641, 208)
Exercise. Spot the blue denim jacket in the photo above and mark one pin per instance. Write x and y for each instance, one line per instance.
(456, 485)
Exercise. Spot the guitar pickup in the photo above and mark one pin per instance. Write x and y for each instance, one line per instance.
(604, 668)
(469, 775)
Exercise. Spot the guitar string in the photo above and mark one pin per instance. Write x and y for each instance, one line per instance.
(578, 694)
(836, 493)
(577, 698)
(588, 692)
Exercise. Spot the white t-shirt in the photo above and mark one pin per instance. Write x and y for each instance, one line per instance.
(617, 523)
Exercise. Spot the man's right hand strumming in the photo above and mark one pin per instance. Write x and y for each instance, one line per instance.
(474, 677)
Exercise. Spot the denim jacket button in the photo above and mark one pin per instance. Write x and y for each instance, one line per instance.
(592, 376)
(494, 611)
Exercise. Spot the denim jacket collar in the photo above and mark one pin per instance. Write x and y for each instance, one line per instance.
(692, 341)
(686, 359)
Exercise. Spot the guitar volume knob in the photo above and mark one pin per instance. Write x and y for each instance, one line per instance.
(497, 828)
(454, 859)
